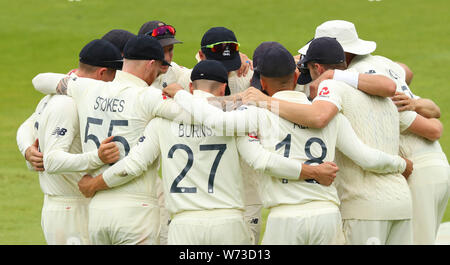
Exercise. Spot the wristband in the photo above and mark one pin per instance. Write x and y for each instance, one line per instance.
(350, 78)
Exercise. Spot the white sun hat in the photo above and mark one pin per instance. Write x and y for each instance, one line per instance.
(346, 35)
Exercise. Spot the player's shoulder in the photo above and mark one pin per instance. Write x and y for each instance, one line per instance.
(61, 101)
(61, 105)
(331, 84)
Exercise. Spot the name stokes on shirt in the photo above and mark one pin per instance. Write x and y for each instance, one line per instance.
(109, 104)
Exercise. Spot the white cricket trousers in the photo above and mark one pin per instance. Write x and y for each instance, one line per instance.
(378, 232)
(313, 223)
(253, 219)
(64, 220)
(163, 213)
(123, 219)
(209, 227)
(430, 188)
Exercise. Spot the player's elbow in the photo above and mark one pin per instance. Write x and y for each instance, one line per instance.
(37, 82)
(389, 88)
(435, 132)
(320, 121)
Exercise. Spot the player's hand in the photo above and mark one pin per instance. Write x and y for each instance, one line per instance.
(172, 89)
(35, 157)
(314, 85)
(326, 173)
(408, 169)
(403, 102)
(108, 151)
(86, 186)
(246, 64)
(253, 96)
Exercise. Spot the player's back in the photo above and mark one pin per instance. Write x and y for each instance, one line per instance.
(200, 168)
(411, 145)
(376, 122)
(52, 110)
(308, 145)
(115, 109)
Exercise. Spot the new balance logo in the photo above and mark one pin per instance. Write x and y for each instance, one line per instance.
(59, 131)
(371, 72)
(254, 221)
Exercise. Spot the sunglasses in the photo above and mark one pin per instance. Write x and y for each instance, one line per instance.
(162, 30)
(222, 46)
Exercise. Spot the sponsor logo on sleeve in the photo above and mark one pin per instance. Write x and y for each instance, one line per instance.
(253, 137)
(324, 91)
(59, 131)
(370, 72)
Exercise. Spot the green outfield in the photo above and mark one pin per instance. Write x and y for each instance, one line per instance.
(43, 36)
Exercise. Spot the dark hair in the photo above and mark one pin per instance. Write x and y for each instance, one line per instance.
(340, 66)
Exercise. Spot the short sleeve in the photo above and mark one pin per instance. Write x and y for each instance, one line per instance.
(406, 119)
(331, 91)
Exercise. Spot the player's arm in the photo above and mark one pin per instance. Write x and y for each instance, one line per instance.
(372, 84)
(315, 115)
(279, 166)
(240, 121)
(364, 156)
(61, 129)
(423, 106)
(130, 167)
(47, 83)
(430, 129)
(71, 85)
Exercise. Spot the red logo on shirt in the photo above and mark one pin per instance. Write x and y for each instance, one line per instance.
(253, 135)
(164, 95)
(324, 91)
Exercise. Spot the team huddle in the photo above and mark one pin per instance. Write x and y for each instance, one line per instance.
(132, 148)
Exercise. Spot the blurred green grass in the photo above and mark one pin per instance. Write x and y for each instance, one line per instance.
(43, 36)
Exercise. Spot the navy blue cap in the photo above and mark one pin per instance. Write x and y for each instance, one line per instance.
(271, 59)
(101, 53)
(230, 59)
(324, 50)
(118, 37)
(211, 70)
(144, 47)
(164, 40)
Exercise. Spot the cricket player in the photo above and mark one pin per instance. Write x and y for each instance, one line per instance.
(128, 214)
(220, 43)
(201, 173)
(55, 123)
(296, 205)
(377, 124)
(429, 183)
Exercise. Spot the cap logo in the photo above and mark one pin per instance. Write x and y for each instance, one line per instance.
(226, 52)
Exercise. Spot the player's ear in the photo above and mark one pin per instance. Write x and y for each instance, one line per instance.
(320, 68)
(201, 55)
(296, 75)
(263, 84)
(102, 73)
(222, 89)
